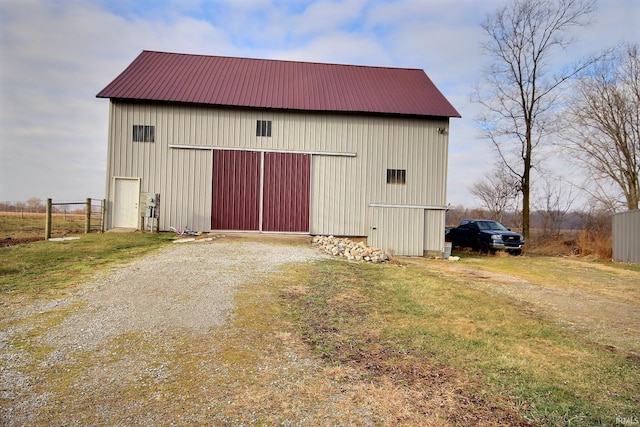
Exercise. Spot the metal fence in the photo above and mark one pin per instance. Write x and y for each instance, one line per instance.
(35, 220)
(88, 214)
(626, 237)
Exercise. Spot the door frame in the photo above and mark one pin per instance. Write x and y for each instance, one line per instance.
(114, 198)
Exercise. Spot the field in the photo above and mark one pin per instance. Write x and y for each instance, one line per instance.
(530, 340)
(18, 227)
(565, 352)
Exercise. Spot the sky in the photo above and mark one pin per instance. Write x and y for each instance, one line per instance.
(56, 55)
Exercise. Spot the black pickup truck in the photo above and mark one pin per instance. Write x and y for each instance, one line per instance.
(484, 235)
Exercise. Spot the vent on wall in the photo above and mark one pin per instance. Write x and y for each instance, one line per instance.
(263, 128)
(396, 176)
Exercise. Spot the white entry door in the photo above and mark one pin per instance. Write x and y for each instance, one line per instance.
(125, 202)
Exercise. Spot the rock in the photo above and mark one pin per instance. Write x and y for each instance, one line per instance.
(344, 247)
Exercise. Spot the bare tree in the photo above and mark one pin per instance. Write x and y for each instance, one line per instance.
(457, 213)
(34, 204)
(497, 191)
(603, 124)
(520, 92)
(553, 205)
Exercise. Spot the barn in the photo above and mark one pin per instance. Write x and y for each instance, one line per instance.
(237, 144)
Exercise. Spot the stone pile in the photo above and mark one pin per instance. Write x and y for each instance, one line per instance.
(347, 248)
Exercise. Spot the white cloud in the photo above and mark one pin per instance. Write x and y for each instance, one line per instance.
(326, 16)
(340, 48)
(55, 56)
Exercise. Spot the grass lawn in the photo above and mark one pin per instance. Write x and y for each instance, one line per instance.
(415, 321)
(43, 267)
(411, 340)
(16, 226)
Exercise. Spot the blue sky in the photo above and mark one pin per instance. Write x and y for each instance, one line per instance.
(55, 55)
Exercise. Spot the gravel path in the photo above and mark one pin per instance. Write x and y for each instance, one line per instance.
(187, 286)
(185, 289)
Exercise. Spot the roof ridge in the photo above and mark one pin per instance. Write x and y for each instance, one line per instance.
(294, 61)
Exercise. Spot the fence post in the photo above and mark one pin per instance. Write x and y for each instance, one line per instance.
(87, 217)
(103, 207)
(47, 225)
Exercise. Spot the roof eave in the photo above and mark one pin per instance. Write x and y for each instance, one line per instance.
(298, 110)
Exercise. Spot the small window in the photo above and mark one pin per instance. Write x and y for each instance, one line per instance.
(396, 176)
(143, 133)
(263, 128)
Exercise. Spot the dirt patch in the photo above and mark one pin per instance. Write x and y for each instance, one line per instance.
(13, 241)
(406, 387)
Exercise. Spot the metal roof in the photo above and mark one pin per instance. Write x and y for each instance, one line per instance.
(289, 85)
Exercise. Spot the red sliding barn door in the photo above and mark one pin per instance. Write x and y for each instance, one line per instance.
(236, 190)
(240, 177)
(286, 192)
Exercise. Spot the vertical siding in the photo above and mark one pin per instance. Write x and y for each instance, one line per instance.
(416, 147)
(397, 230)
(345, 187)
(342, 188)
(434, 221)
(186, 200)
(339, 203)
(626, 236)
(179, 176)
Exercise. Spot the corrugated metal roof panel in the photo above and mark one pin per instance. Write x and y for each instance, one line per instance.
(241, 82)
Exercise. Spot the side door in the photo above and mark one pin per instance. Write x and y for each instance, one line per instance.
(126, 199)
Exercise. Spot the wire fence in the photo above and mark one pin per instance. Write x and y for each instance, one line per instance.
(36, 220)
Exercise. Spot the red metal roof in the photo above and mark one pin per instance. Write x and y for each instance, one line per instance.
(289, 85)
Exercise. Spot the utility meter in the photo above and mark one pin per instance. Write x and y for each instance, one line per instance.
(150, 203)
(150, 200)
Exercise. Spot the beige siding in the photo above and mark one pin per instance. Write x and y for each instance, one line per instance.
(397, 230)
(626, 237)
(188, 193)
(434, 221)
(343, 186)
(338, 200)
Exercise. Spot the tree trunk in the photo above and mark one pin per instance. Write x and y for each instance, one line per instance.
(526, 194)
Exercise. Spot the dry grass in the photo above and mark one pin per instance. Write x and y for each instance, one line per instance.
(499, 359)
(341, 317)
(19, 227)
(339, 343)
(590, 244)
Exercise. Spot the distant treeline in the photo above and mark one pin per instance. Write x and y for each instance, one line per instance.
(545, 222)
(36, 205)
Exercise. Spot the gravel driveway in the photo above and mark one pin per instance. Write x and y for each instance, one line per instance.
(185, 289)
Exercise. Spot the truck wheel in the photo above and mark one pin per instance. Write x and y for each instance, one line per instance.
(484, 247)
